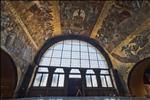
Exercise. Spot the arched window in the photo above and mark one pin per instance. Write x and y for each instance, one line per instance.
(74, 55)
(58, 78)
(91, 80)
(41, 77)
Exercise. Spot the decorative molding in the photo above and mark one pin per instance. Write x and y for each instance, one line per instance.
(21, 23)
(56, 18)
(104, 13)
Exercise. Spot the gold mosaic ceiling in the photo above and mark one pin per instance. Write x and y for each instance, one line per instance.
(121, 27)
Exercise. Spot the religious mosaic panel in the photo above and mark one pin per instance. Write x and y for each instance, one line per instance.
(137, 49)
(123, 19)
(14, 40)
(37, 17)
(79, 17)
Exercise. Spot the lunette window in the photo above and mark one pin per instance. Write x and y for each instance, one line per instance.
(74, 54)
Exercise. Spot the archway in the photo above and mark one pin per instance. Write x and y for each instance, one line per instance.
(136, 79)
(8, 75)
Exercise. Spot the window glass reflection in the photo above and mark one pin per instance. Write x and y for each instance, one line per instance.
(44, 80)
(66, 54)
(94, 64)
(44, 61)
(67, 47)
(84, 63)
(54, 80)
(48, 53)
(75, 48)
(93, 56)
(88, 81)
(103, 81)
(57, 54)
(76, 55)
(42, 69)
(75, 63)
(94, 80)
(37, 79)
(84, 55)
(108, 81)
(65, 63)
(61, 80)
(55, 62)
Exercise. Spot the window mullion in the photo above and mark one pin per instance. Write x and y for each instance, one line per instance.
(58, 80)
(106, 80)
(61, 53)
(41, 79)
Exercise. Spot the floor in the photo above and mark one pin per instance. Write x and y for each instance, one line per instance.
(84, 98)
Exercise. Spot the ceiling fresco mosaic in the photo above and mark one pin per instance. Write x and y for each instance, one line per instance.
(123, 31)
(79, 17)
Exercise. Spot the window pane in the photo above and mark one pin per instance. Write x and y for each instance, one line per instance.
(58, 46)
(56, 53)
(44, 61)
(94, 80)
(92, 49)
(108, 81)
(94, 64)
(103, 64)
(75, 63)
(67, 42)
(37, 79)
(65, 62)
(82, 43)
(48, 53)
(100, 56)
(93, 56)
(61, 80)
(44, 80)
(75, 48)
(54, 80)
(75, 42)
(67, 47)
(104, 72)
(76, 55)
(84, 55)
(74, 71)
(88, 81)
(103, 81)
(84, 48)
(89, 72)
(66, 54)
(55, 62)
(74, 76)
(59, 70)
(84, 63)
(42, 69)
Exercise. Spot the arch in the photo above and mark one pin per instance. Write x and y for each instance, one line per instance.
(8, 75)
(136, 78)
(50, 42)
(68, 57)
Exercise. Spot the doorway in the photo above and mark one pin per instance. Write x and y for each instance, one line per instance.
(75, 87)
(138, 82)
